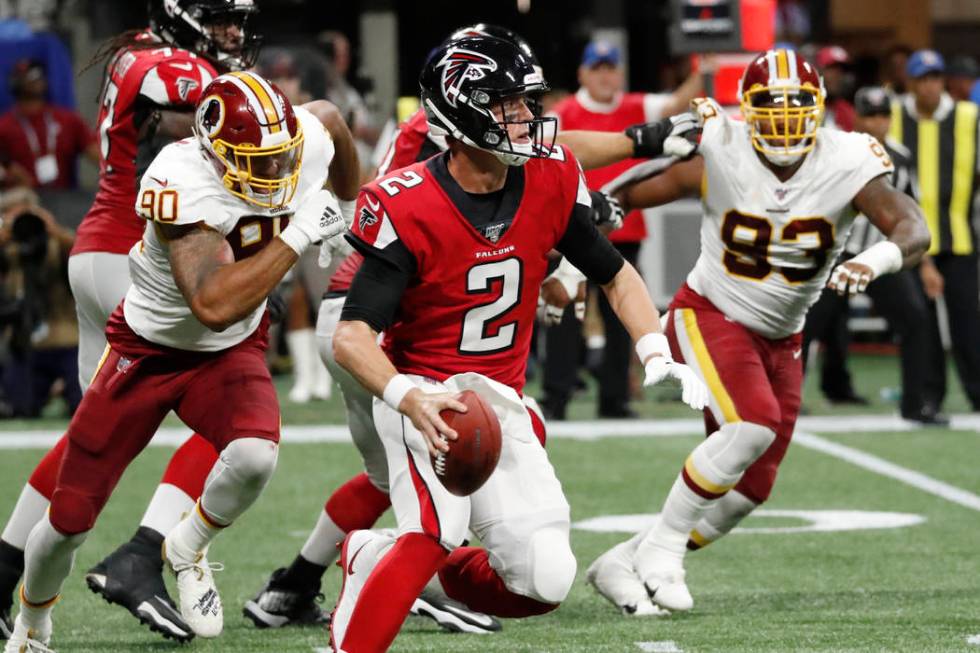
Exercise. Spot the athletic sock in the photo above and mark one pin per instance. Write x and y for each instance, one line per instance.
(48, 560)
(355, 505)
(467, 577)
(35, 498)
(181, 484)
(193, 534)
(11, 569)
(720, 519)
(302, 574)
(389, 593)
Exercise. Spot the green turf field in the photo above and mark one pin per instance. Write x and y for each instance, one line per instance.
(914, 588)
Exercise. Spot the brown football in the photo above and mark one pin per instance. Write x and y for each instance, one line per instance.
(474, 455)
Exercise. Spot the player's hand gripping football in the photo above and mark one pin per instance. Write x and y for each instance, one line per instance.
(674, 136)
(850, 278)
(318, 219)
(423, 409)
(693, 391)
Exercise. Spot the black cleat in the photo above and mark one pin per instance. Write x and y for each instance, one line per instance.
(132, 577)
(453, 616)
(11, 569)
(280, 604)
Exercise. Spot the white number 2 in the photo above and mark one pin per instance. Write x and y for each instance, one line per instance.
(407, 179)
(476, 338)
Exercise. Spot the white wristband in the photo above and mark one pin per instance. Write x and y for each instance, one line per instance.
(296, 239)
(651, 344)
(883, 258)
(397, 388)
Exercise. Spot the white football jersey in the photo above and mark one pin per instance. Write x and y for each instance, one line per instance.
(767, 246)
(182, 187)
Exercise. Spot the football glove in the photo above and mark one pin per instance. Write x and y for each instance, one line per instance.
(693, 391)
(674, 136)
(606, 210)
(318, 219)
(337, 247)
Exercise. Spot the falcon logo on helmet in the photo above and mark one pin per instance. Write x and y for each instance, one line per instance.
(460, 65)
(782, 100)
(249, 130)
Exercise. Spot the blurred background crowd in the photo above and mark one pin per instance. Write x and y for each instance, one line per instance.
(892, 68)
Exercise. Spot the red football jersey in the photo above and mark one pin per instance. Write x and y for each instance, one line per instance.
(471, 305)
(164, 76)
(578, 112)
(408, 147)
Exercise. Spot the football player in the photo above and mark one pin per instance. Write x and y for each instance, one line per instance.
(154, 78)
(228, 214)
(455, 250)
(779, 194)
(290, 595)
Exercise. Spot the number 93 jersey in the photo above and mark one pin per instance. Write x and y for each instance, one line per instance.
(182, 187)
(767, 246)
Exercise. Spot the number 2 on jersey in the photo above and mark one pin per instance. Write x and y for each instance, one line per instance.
(748, 238)
(486, 278)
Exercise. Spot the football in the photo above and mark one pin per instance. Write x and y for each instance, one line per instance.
(474, 455)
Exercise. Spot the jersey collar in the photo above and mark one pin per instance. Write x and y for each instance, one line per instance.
(583, 98)
(946, 105)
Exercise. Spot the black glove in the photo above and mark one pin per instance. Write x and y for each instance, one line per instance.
(675, 136)
(276, 306)
(606, 210)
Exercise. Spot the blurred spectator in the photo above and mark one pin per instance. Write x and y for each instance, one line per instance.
(43, 139)
(895, 75)
(898, 297)
(832, 61)
(600, 104)
(961, 79)
(340, 91)
(942, 135)
(37, 310)
(279, 67)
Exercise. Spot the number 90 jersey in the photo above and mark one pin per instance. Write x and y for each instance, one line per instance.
(471, 304)
(767, 246)
(182, 187)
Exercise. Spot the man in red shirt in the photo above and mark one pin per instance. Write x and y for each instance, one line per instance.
(43, 139)
(602, 105)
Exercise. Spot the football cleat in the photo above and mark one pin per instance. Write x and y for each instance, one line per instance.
(668, 590)
(613, 577)
(453, 616)
(200, 604)
(358, 556)
(132, 577)
(25, 640)
(278, 604)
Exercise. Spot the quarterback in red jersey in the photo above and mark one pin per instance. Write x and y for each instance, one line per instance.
(154, 77)
(228, 214)
(455, 251)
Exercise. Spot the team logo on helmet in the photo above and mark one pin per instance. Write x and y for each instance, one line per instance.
(211, 115)
(459, 65)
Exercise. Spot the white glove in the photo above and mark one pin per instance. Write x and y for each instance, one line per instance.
(338, 247)
(549, 315)
(853, 276)
(849, 281)
(317, 219)
(682, 140)
(653, 348)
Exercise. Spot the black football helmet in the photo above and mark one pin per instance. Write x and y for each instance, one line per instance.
(463, 81)
(190, 24)
(487, 29)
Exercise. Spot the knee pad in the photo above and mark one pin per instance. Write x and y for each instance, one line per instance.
(72, 512)
(551, 565)
(251, 460)
(737, 445)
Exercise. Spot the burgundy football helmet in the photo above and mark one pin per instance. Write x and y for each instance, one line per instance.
(249, 129)
(782, 99)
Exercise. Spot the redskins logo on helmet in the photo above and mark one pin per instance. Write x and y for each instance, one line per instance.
(459, 65)
(782, 100)
(248, 128)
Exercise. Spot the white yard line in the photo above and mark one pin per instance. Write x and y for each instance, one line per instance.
(668, 646)
(891, 470)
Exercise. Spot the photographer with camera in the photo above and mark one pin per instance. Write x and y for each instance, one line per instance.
(36, 309)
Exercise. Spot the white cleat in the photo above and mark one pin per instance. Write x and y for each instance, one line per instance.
(613, 577)
(668, 590)
(358, 556)
(200, 604)
(25, 640)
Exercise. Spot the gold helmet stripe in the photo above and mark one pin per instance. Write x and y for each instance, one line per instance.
(782, 64)
(264, 96)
